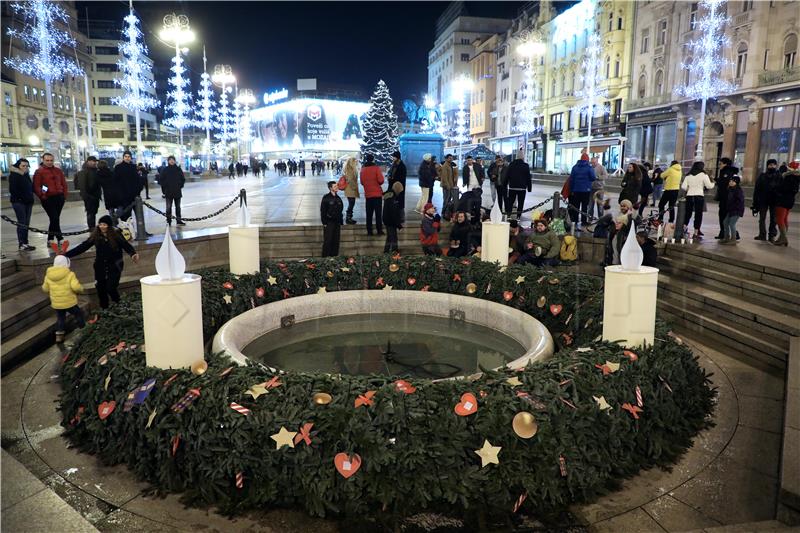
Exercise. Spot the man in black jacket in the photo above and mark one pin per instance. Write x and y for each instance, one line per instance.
(726, 172)
(519, 181)
(764, 200)
(87, 182)
(172, 181)
(330, 211)
(127, 180)
(397, 174)
(392, 215)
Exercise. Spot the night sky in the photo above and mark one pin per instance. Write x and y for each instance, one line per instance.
(271, 44)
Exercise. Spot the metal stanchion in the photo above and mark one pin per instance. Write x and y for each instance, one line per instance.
(138, 211)
(556, 203)
(680, 216)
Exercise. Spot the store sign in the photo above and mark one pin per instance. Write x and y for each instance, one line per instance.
(275, 96)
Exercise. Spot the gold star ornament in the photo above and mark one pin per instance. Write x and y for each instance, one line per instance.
(602, 404)
(256, 390)
(272, 280)
(520, 279)
(514, 382)
(488, 453)
(228, 299)
(387, 288)
(283, 438)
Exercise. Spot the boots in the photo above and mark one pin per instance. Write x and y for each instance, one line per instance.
(781, 240)
(60, 337)
(350, 220)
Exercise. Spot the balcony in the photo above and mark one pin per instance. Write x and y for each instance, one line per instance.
(741, 19)
(776, 77)
(649, 101)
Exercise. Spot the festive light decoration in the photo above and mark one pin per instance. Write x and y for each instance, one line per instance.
(461, 87)
(44, 37)
(134, 82)
(205, 115)
(592, 91)
(706, 61)
(441, 125)
(176, 30)
(527, 109)
(380, 126)
(224, 78)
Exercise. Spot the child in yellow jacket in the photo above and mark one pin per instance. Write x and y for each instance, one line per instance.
(63, 286)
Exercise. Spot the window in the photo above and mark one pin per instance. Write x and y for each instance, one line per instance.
(692, 15)
(741, 60)
(645, 41)
(687, 73)
(747, 5)
(464, 57)
(661, 35)
(66, 104)
(608, 67)
(7, 98)
(766, 58)
(104, 100)
(574, 44)
(105, 84)
(617, 67)
(10, 127)
(106, 50)
(641, 89)
(36, 95)
(108, 67)
(619, 23)
(27, 91)
(110, 117)
(659, 88)
(464, 41)
(112, 134)
(555, 122)
(790, 51)
(610, 21)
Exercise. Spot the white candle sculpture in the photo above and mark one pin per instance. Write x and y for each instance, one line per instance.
(629, 297)
(172, 311)
(494, 237)
(243, 245)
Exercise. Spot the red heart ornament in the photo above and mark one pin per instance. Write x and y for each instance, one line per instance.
(412, 281)
(347, 465)
(228, 285)
(468, 405)
(260, 292)
(508, 296)
(555, 309)
(105, 409)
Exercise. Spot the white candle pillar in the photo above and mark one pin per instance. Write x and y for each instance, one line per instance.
(629, 305)
(243, 247)
(172, 312)
(494, 242)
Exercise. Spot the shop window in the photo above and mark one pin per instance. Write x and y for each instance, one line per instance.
(666, 135)
(790, 51)
(641, 88)
(741, 60)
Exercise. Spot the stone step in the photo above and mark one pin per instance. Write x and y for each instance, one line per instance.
(8, 267)
(750, 290)
(742, 343)
(15, 283)
(23, 310)
(749, 527)
(735, 265)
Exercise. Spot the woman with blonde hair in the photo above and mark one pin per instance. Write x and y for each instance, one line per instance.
(350, 175)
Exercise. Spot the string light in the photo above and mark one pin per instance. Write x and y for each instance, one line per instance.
(592, 91)
(176, 30)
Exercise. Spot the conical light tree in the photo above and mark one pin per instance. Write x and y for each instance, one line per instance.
(44, 38)
(205, 117)
(134, 82)
(380, 126)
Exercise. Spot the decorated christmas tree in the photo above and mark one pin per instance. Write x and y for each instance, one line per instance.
(380, 126)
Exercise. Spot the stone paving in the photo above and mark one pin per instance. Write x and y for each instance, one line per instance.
(730, 476)
(294, 200)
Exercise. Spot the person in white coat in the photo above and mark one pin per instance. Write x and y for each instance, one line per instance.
(694, 184)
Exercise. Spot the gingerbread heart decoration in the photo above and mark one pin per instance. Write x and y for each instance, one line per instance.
(556, 309)
(347, 465)
(105, 409)
(468, 405)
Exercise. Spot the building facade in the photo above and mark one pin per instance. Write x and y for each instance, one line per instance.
(758, 121)
(482, 100)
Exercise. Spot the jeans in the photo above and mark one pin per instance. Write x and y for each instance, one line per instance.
(351, 204)
(61, 317)
(694, 204)
(658, 190)
(374, 211)
(391, 240)
(23, 213)
(423, 198)
(762, 218)
(449, 198)
(519, 197)
(177, 209)
(53, 206)
(730, 227)
(531, 259)
(106, 277)
(502, 197)
(670, 197)
(580, 201)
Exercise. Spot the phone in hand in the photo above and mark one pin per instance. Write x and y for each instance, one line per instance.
(44, 188)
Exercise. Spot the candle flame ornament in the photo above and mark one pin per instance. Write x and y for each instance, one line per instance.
(496, 216)
(632, 255)
(170, 264)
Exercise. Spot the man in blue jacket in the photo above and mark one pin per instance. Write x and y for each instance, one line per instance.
(580, 190)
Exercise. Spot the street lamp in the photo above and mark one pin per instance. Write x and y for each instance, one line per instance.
(245, 98)
(461, 87)
(223, 78)
(176, 31)
(527, 122)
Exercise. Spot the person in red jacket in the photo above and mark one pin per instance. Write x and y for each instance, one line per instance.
(371, 180)
(50, 185)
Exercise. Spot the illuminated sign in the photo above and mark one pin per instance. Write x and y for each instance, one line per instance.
(274, 96)
(308, 123)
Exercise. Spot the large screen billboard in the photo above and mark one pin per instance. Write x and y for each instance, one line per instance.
(308, 124)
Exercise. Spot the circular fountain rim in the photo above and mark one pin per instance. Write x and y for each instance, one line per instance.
(243, 329)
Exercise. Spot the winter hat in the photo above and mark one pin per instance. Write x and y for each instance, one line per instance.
(735, 178)
(794, 165)
(426, 157)
(427, 206)
(584, 157)
(397, 187)
(396, 154)
(514, 224)
(105, 219)
(626, 203)
(61, 261)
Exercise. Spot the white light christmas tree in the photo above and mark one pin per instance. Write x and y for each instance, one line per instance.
(44, 39)
(176, 30)
(527, 109)
(441, 125)
(380, 126)
(134, 82)
(205, 115)
(706, 62)
(592, 75)
(224, 118)
(462, 86)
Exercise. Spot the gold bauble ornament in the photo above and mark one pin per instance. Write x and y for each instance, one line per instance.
(472, 288)
(199, 368)
(329, 274)
(525, 425)
(553, 281)
(394, 267)
(541, 301)
(322, 398)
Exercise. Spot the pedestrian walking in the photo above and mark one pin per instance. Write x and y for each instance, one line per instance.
(734, 209)
(695, 184)
(63, 287)
(631, 184)
(764, 200)
(429, 230)
(598, 188)
(88, 183)
(371, 180)
(330, 210)
(172, 182)
(144, 182)
(495, 170)
(127, 180)
(447, 180)
(50, 185)
(785, 194)
(109, 244)
(672, 184)
(726, 172)
(231, 170)
(392, 216)
(519, 181)
(658, 185)
(581, 178)
(425, 174)
(397, 174)
(20, 192)
(350, 176)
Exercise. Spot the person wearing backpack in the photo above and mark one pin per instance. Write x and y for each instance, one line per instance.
(62, 285)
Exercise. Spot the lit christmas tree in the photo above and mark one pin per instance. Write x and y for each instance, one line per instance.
(706, 62)
(380, 126)
(592, 75)
(134, 82)
(527, 109)
(44, 38)
(178, 98)
(205, 116)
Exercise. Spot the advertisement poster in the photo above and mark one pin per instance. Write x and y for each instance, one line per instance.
(305, 123)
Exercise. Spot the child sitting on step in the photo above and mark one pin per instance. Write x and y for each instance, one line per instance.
(63, 286)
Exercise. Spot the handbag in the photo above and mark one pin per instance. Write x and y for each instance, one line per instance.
(342, 183)
(565, 190)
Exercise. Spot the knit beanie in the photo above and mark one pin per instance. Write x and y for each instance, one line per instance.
(105, 219)
(61, 261)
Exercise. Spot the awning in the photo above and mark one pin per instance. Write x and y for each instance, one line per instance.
(597, 145)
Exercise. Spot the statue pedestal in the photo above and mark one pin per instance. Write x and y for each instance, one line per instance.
(494, 242)
(173, 321)
(629, 305)
(243, 249)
